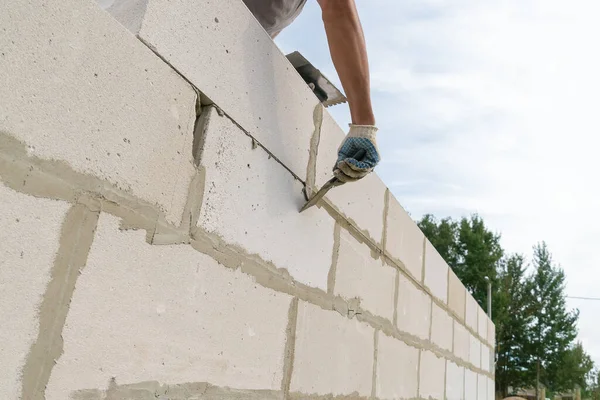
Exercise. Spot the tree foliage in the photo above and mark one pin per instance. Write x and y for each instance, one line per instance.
(592, 385)
(512, 317)
(576, 369)
(554, 327)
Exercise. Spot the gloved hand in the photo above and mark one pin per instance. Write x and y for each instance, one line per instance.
(358, 154)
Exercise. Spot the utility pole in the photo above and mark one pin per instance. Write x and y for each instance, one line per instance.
(489, 297)
(537, 380)
(489, 312)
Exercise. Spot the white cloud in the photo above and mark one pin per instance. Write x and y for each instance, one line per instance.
(489, 107)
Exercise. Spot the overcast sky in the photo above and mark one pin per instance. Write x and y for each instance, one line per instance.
(488, 107)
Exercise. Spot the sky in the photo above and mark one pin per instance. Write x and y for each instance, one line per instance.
(488, 107)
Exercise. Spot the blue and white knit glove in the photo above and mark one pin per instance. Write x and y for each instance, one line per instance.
(358, 154)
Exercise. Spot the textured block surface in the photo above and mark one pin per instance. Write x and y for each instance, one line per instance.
(359, 275)
(333, 354)
(397, 369)
(91, 95)
(456, 295)
(404, 241)
(491, 333)
(29, 240)
(482, 391)
(169, 314)
(472, 312)
(470, 385)
(436, 273)
(461, 342)
(483, 324)
(474, 351)
(414, 309)
(455, 381)
(441, 328)
(221, 49)
(485, 357)
(361, 202)
(432, 373)
(251, 201)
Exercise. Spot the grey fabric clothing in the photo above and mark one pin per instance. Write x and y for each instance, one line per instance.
(274, 15)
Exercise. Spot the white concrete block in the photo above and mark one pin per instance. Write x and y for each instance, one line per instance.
(483, 324)
(361, 202)
(441, 327)
(472, 312)
(359, 275)
(455, 381)
(404, 240)
(456, 295)
(482, 390)
(397, 369)
(485, 357)
(251, 201)
(90, 94)
(29, 239)
(414, 309)
(436, 273)
(491, 333)
(491, 389)
(333, 354)
(221, 49)
(474, 351)
(462, 342)
(432, 374)
(167, 314)
(470, 385)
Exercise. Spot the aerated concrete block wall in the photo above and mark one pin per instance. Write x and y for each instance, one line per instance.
(152, 162)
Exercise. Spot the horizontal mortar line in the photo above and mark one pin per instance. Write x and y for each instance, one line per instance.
(120, 207)
(124, 197)
(75, 187)
(399, 265)
(333, 211)
(202, 390)
(413, 341)
(318, 297)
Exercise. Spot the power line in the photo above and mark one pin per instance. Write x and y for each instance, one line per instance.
(583, 298)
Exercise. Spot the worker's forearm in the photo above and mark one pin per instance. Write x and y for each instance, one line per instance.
(349, 55)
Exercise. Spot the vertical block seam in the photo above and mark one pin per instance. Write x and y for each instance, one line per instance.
(290, 348)
(375, 355)
(334, 258)
(77, 235)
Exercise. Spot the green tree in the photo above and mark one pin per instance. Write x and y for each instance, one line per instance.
(575, 368)
(513, 318)
(554, 327)
(478, 254)
(593, 385)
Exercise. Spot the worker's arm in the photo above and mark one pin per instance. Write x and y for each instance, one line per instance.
(358, 154)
